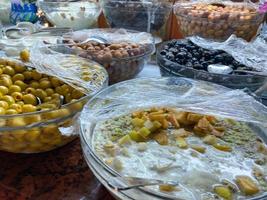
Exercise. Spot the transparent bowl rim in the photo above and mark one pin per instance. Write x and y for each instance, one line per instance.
(88, 144)
(160, 48)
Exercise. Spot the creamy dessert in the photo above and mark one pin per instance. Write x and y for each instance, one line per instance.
(211, 158)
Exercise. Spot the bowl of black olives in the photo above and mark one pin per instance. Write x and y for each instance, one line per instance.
(184, 58)
(145, 16)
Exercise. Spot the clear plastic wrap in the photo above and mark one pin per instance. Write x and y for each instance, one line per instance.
(113, 35)
(252, 54)
(68, 68)
(181, 93)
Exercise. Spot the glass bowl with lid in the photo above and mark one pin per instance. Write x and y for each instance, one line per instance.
(38, 111)
(71, 14)
(148, 16)
(235, 80)
(122, 52)
(154, 129)
(218, 20)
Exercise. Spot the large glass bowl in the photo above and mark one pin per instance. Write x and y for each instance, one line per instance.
(42, 131)
(218, 25)
(127, 96)
(148, 16)
(76, 15)
(118, 68)
(235, 81)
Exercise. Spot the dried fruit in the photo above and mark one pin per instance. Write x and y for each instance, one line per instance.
(224, 192)
(161, 137)
(222, 147)
(210, 139)
(198, 148)
(181, 142)
(247, 185)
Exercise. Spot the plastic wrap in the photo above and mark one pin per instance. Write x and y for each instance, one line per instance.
(113, 35)
(252, 54)
(68, 68)
(181, 93)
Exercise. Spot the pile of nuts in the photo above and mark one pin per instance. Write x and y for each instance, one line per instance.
(24, 92)
(122, 60)
(218, 21)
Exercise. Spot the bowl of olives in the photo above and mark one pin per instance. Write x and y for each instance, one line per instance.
(38, 111)
(184, 58)
(218, 20)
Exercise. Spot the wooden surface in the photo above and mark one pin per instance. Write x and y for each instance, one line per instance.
(56, 175)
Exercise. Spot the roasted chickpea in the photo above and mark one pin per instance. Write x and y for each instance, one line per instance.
(4, 104)
(2, 111)
(30, 90)
(45, 84)
(9, 99)
(76, 94)
(49, 91)
(17, 77)
(28, 108)
(29, 99)
(40, 93)
(9, 70)
(14, 88)
(55, 82)
(19, 68)
(17, 96)
(5, 81)
(25, 55)
(36, 75)
(3, 90)
(11, 112)
(21, 84)
(27, 75)
(34, 84)
(16, 107)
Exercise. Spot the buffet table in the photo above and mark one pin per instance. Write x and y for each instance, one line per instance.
(58, 174)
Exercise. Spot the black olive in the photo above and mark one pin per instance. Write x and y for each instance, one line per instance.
(198, 66)
(189, 64)
(218, 58)
(163, 53)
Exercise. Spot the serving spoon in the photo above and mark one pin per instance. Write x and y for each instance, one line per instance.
(126, 183)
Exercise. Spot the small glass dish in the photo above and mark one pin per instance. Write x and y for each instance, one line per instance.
(76, 15)
(218, 20)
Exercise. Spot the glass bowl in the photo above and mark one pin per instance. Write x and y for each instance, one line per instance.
(132, 95)
(218, 23)
(147, 16)
(76, 15)
(5, 6)
(235, 81)
(119, 68)
(45, 130)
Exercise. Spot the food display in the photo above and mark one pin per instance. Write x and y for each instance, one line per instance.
(207, 139)
(184, 58)
(76, 15)
(148, 16)
(198, 150)
(122, 60)
(218, 20)
(38, 110)
(5, 7)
